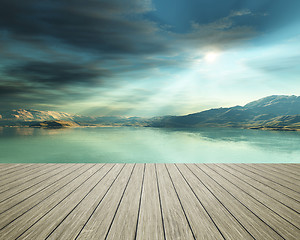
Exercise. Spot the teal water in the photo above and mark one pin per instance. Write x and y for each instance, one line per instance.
(147, 145)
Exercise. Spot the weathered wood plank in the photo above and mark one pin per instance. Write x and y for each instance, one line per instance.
(200, 220)
(247, 171)
(277, 223)
(27, 203)
(20, 228)
(176, 224)
(228, 225)
(150, 220)
(275, 168)
(125, 221)
(279, 178)
(72, 223)
(35, 185)
(276, 195)
(4, 167)
(25, 177)
(290, 215)
(44, 227)
(13, 171)
(98, 224)
(254, 225)
(149, 201)
(292, 167)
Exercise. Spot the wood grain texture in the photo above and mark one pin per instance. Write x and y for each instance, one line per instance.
(228, 224)
(271, 218)
(247, 171)
(277, 177)
(48, 203)
(25, 177)
(13, 171)
(5, 167)
(254, 225)
(128, 208)
(273, 204)
(200, 220)
(77, 217)
(150, 225)
(287, 175)
(175, 222)
(49, 222)
(98, 224)
(34, 186)
(271, 192)
(287, 170)
(149, 201)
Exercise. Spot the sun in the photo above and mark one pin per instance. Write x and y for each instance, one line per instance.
(211, 57)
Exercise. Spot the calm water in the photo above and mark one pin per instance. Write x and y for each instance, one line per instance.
(126, 144)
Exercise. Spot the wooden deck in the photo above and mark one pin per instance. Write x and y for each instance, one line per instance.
(149, 201)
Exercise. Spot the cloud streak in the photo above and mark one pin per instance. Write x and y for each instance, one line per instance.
(57, 52)
(58, 74)
(102, 26)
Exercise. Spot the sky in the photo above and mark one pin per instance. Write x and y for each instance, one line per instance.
(146, 58)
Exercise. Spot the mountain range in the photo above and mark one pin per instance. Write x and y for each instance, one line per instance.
(52, 119)
(277, 112)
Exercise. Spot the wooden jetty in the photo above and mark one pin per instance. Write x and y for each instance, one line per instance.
(149, 201)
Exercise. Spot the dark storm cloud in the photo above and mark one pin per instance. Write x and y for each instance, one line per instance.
(60, 51)
(16, 94)
(58, 74)
(112, 27)
(48, 83)
(103, 26)
(23, 95)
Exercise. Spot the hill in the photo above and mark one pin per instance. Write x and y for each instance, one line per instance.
(277, 112)
(36, 118)
(54, 124)
(34, 115)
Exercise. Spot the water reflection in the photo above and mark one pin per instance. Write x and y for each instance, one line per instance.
(29, 131)
(267, 140)
(128, 144)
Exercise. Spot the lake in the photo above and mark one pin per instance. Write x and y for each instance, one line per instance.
(147, 145)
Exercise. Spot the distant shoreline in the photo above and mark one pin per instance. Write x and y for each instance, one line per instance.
(66, 126)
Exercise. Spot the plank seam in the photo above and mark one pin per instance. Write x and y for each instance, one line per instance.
(282, 172)
(217, 200)
(81, 201)
(123, 193)
(99, 203)
(287, 171)
(264, 183)
(181, 203)
(275, 176)
(258, 189)
(140, 202)
(25, 181)
(240, 202)
(255, 199)
(45, 197)
(59, 202)
(269, 179)
(11, 166)
(160, 204)
(27, 170)
(33, 186)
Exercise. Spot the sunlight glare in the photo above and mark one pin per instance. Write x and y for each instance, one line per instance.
(211, 57)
